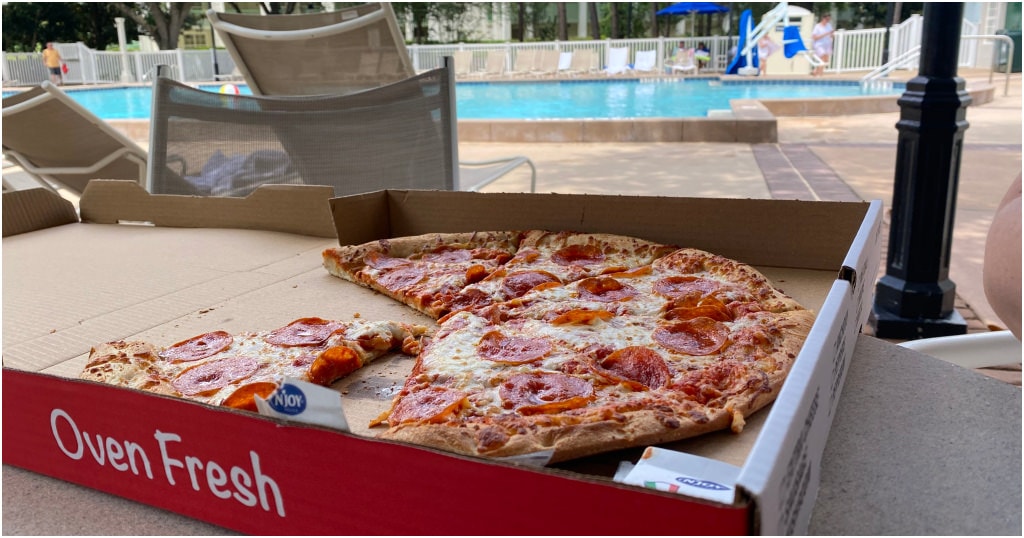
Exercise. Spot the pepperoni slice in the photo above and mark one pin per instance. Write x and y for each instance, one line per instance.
(681, 286)
(537, 392)
(698, 336)
(605, 289)
(198, 347)
(640, 368)
(516, 284)
(469, 298)
(448, 255)
(578, 255)
(333, 364)
(432, 404)
(244, 397)
(303, 332)
(205, 379)
(382, 261)
(402, 277)
(581, 317)
(498, 347)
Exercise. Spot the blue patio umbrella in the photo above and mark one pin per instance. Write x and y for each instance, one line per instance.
(689, 8)
(692, 8)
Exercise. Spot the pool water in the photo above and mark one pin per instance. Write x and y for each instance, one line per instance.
(667, 98)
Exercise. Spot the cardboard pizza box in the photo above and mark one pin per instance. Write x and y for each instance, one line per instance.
(165, 268)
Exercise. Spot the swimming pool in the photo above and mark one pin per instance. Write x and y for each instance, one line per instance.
(575, 99)
(621, 99)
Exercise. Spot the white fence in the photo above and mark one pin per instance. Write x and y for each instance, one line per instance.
(853, 50)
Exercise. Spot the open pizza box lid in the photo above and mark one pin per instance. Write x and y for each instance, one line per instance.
(265, 271)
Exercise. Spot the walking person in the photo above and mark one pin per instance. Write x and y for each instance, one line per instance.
(51, 59)
(822, 36)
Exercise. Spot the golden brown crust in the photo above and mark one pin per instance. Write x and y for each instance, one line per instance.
(128, 364)
(566, 441)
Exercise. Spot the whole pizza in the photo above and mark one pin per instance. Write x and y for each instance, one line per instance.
(560, 343)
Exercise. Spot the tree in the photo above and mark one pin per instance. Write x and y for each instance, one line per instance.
(28, 26)
(449, 14)
(163, 26)
(654, 20)
(563, 22)
(595, 23)
(521, 17)
(96, 24)
(613, 21)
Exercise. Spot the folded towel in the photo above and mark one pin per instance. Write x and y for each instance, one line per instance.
(223, 175)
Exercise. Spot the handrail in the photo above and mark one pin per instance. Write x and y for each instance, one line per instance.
(878, 72)
(914, 53)
(1009, 57)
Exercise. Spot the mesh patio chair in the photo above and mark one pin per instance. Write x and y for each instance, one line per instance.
(330, 53)
(399, 136)
(56, 140)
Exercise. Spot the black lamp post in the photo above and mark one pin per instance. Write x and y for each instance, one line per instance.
(915, 297)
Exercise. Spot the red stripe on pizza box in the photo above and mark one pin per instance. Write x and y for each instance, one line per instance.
(260, 476)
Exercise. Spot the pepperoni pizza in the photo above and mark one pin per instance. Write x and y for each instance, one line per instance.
(576, 343)
(219, 368)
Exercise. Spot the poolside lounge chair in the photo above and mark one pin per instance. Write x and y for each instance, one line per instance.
(57, 140)
(525, 62)
(645, 61)
(546, 63)
(401, 135)
(565, 61)
(330, 52)
(584, 62)
(463, 63)
(312, 55)
(495, 66)
(618, 57)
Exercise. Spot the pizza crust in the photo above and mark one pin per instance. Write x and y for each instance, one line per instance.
(128, 364)
(636, 428)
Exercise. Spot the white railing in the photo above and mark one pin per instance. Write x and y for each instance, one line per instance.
(853, 50)
(857, 50)
(429, 56)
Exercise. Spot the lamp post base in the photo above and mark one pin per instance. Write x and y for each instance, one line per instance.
(889, 325)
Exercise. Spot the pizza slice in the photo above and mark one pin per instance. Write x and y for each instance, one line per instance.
(424, 272)
(219, 368)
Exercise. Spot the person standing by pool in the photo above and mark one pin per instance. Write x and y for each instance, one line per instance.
(822, 36)
(51, 59)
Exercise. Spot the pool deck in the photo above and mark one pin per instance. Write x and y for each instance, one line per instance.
(827, 156)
